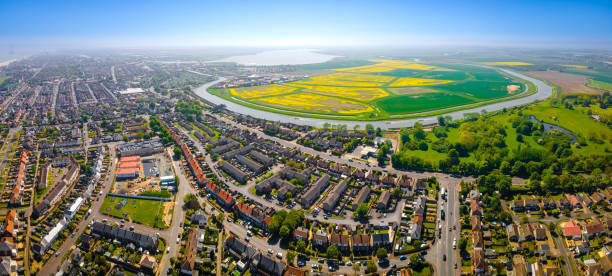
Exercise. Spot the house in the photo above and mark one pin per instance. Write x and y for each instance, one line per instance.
(593, 229)
(388, 180)
(520, 266)
(224, 198)
(315, 190)
(234, 172)
(517, 205)
(300, 234)
(608, 222)
(361, 244)
(124, 236)
(476, 223)
(199, 218)
(525, 232)
(586, 200)
(477, 240)
(239, 249)
(597, 198)
(8, 249)
(571, 231)
(341, 241)
(148, 263)
(383, 201)
(358, 174)
(362, 196)
(549, 204)
(532, 204)
(512, 232)
(334, 196)
(264, 264)
(380, 240)
(574, 202)
(475, 208)
(563, 203)
(292, 271)
(320, 239)
(478, 261)
(188, 260)
(372, 177)
(404, 182)
(539, 233)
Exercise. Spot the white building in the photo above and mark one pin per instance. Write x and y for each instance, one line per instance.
(74, 208)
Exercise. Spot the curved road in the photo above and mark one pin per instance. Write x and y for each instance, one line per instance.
(543, 91)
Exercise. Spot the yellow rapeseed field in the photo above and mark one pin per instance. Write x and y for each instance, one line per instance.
(357, 93)
(261, 91)
(316, 103)
(346, 79)
(417, 82)
(385, 65)
(506, 63)
(575, 66)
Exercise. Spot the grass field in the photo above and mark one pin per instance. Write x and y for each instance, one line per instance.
(380, 90)
(601, 85)
(575, 66)
(147, 212)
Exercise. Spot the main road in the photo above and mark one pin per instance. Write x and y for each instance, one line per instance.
(543, 91)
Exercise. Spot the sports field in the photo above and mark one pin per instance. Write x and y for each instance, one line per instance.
(385, 89)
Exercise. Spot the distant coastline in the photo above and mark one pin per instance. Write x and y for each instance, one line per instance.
(280, 57)
(6, 63)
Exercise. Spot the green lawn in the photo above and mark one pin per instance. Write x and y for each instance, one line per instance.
(147, 212)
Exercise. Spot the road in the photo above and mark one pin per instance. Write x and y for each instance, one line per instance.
(54, 262)
(444, 245)
(172, 233)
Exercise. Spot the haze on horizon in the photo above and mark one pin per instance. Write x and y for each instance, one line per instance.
(85, 24)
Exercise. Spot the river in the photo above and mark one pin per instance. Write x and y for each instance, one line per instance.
(543, 91)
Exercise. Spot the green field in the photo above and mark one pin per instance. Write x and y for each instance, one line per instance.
(147, 212)
(364, 91)
(602, 85)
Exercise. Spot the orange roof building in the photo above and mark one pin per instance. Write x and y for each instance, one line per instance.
(135, 158)
(129, 164)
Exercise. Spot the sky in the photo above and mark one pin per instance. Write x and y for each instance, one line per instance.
(110, 23)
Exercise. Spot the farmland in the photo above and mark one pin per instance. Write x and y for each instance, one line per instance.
(382, 90)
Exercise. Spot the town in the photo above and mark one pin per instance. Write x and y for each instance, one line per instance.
(114, 165)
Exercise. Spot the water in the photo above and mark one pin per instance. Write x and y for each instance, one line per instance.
(280, 57)
(548, 127)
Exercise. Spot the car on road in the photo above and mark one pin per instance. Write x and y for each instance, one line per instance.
(314, 266)
(249, 233)
(229, 220)
(301, 263)
(403, 257)
(455, 265)
(131, 227)
(270, 251)
(325, 217)
(247, 239)
(178, 240)
(349, 263)
(168, 249)
(279, 255)
(444, 257)
(321, 261)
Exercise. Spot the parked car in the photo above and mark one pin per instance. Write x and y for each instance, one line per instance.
(270, 251)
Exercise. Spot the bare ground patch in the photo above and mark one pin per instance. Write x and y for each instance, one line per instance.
(513, 87)
(411, 90)
(569, 83)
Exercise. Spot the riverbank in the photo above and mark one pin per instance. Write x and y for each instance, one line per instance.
(542, 92)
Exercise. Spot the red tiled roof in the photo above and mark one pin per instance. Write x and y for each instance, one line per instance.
(127, 170)
(129, 164)
(135, 158)
(571, 229)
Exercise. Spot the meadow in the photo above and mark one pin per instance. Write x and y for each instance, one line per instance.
(381, 89)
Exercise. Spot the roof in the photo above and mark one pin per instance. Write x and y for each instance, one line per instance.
(130, 158)
(127, 171)
(292, 271)
(129, 164)
(571, 229)
(594, 227)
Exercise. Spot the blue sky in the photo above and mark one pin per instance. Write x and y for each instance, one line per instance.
(307, 23)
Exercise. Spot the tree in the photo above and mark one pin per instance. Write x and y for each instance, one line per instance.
(381, 253)
(290, 257)
(220, 218)
(361, 211)
(369, 128)
(415, 262)
(463, 244)
(191, 202)
(356, 127)
(284, 231)
(177, 152)
(333, 252)
(300, 246)
(371, 267)
(441, 121)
